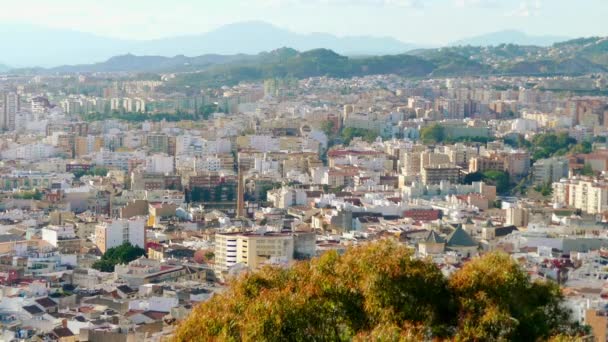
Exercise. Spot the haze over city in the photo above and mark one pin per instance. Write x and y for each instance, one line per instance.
(429, 22)
(303, 170)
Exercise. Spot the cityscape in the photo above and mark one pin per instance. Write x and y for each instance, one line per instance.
(306, 186)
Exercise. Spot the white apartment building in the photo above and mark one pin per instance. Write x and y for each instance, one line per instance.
(252, 249)
(461, 154)
(588, 195)
(428, 158)
(118, 160)
(550, 170)
(53, 234)
(196, 146)
(517, 216)
(9, 106)
(118, 231)
(31, 152)
(160, 163)
(287, 197)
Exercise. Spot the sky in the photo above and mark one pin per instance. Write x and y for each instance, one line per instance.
(419, 21)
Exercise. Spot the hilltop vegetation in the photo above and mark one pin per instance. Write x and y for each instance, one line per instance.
(574, 57)
(287, 62)
(568, 58)
(378, 292)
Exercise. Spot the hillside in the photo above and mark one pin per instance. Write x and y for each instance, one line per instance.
(378, 292)
(568, 58)
(574, 57)
(318, 62)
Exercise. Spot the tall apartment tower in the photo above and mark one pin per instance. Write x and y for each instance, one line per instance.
(9, 106)
(240, 201)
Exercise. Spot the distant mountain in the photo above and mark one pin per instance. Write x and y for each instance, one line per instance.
(574, 57)
(29, 46)
(508, 37)
(577, 57)
(287, 62)
(4, 68)
(254, 37)
(132, 63)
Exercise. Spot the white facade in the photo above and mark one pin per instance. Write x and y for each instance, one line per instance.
(159, 163)
(550, 170)
(118, 231)
(31, 152)
(52, 234)
(588, 195)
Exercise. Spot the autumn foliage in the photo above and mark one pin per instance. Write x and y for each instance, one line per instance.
(378, 292)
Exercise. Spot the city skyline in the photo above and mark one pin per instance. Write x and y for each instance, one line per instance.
(401, 19)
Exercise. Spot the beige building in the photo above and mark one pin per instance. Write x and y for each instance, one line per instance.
(433, 159)
(598, 321)
(461, 154)
(434, 174)
(517, 164)
(482, 164)
(586, 194)
(517, 216)
(252, 249)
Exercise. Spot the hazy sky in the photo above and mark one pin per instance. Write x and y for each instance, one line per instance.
(421, 21)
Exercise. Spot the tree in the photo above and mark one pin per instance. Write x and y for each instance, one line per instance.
(472, 177)
(497, 301)
(498, 178)
(517, 142)
(367, 135)
(327, 127)
(545, 189)
(551, 144)
(104, 265)
(584, 147)
(432, 134)
(587, 170)
(122, 254)
(379, 292)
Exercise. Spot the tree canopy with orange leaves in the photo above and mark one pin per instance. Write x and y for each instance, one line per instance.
(379, 292)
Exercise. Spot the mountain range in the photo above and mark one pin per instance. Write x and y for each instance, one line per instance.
(31, 46)
(573, 57)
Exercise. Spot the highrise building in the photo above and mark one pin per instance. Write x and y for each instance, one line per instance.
(9, 106)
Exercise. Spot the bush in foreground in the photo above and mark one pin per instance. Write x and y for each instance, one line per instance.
(378, 292)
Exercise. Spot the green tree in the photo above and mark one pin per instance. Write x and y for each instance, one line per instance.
(587, 170)
(432, 134)
(584, 147)
(545, 189)
(469, 178)
(122, 254)
(498, 301)
(104, 265)
(500, 179)
(328, 127)
(367, 135)
(551, 144)
(379, 292)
